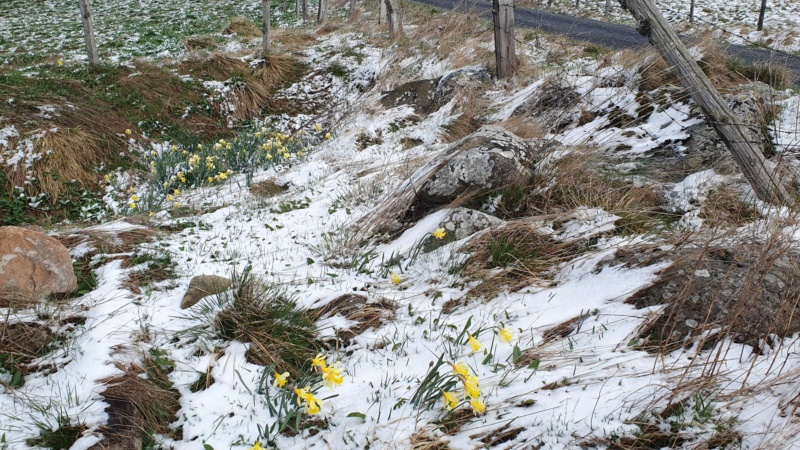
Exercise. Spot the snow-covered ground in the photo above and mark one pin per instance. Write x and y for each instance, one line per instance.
(594, 383)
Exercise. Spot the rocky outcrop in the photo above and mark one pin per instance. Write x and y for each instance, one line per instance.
(202, 286)
(33, 266)
(426, 96)
(486, 160)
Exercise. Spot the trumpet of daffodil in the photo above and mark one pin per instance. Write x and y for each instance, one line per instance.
(450, 400)
(332, 376)
(327, 135)
(506, 335)
(280, 379)
(256, 446)
(303, 394)
(471, 388)
(439, 233)
(461, 369)
(319, 361)
(318, 127)
(394, 278)
(474, 344)
(478, 407)
(312, 406)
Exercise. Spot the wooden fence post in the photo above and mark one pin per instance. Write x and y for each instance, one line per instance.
(761, 13)
(321, 11)
(691, 11)
(748, 156)
(504, 48)
(88, 31)
(394, 19)
(265, 26)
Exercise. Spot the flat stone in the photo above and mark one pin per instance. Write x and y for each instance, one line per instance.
(202, 286)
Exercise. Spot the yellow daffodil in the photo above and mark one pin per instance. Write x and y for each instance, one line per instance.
(177, 204)
(471, 388)
(170, 197)
(210, 179)
(131, 189)
(177, 192)
(174, 148)
(394, 278)
(132, 205)
(461, 369)
(223, 175)
(128, 132)
(153, 153)
(506, 335)
(303, 395)
(151, 214)
(60, 62)
(439, 233)
(269, 156)
(318, 127)
(107, 177)
(319, 361)
(257, 446)
(312, 406)
(478, 407)
(134, 198)
(474, 344)
(280, 379)
(332, 376)
(327, 135)
(450, 400)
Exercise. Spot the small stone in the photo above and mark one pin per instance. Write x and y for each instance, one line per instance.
(202, 286)
(691, 323)
(703, 273)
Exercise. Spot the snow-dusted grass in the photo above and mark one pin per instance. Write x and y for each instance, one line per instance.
(589, 385)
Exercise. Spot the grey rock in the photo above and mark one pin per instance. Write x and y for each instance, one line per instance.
(459, 224)
(487, 159)
(202, 286)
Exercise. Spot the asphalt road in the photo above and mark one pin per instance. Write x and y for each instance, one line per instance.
(608, 34)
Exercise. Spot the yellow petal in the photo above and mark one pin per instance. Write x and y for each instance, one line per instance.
(394, 278)
(506, 335)
(319, 361)
(478, 407)
(439, 233)
(471, 387)
(450, 400)
(461, 369)
(474, 344)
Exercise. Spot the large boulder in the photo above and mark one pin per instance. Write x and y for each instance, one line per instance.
(33, 266)
(486, 160)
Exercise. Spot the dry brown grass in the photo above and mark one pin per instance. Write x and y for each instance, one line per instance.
(724, 207)
(242, 27)
(293, 39)
(522, 127)
(218, 67)
(425, 440)
(355, 308)
(141, 402)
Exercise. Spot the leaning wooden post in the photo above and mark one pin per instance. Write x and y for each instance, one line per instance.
(748, 156)
(761, 13)
(88, 31)
(691, 11)
(321, 5)
(265, 26)
(504, 49)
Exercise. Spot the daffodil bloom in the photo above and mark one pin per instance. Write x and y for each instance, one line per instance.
(394, 278)
(210, 179)
(257, 446)
(269, 156)
(478, 407)
(332, 376)
(223, 175)
(474, 344)
(461, 369)
(439, 233)
(60, 62)
(132, 205)
(471, 388)
(177, 204)
(128, 132)
(327, 135)
(107, 177)
(506, 335)
(303, 395)
(450, 400)
(153, 153)
(318, 127)
(312, 406)
(177, 192)
(134, 198)
(280, 379)
(319, 361)
(174, 148)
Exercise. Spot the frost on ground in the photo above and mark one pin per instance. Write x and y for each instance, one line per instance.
(560, 363)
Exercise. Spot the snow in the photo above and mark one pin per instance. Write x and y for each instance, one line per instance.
(592, 383)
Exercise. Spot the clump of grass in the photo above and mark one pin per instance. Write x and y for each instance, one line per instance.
(20, 344)
(266, 316)
(242, 27)
(60, 438)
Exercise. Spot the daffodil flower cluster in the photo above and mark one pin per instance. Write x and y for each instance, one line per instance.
(471, 390)
(331, 377)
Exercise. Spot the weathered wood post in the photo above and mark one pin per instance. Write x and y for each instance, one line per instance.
(394, 19)
(265, 26)
(761, 13)
(88, 31)
(352, 11)
(691, 11)
(751, 161)
(607, 9)
(321, 6)
(382, 12)
(504, 48)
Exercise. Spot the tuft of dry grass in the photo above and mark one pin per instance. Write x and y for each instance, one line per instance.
(69, 156)
(522, 127)
(425, 440)
(218, 67)
(242, 27)
(355, 308)
(293, 39)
